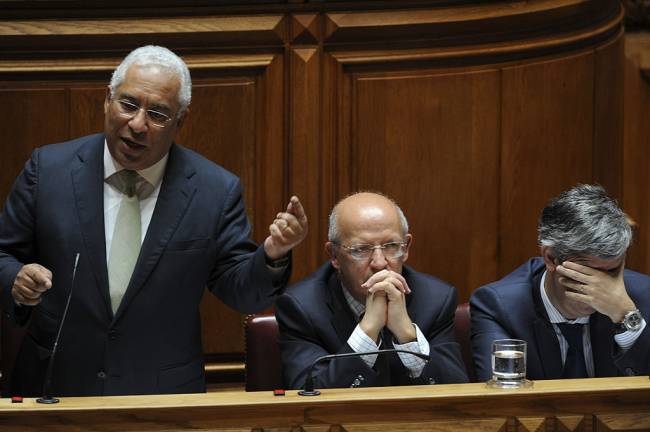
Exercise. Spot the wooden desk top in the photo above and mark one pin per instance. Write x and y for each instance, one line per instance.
(446, 392)
(450, 404)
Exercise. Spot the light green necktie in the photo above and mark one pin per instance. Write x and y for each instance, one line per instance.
(125, 245)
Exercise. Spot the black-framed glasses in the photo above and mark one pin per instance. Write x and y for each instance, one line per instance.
(390, 250)
(128, 109)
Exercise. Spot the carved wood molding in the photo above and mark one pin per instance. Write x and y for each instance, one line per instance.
(471, 23)
(37, 36)
(105, 65)
(486, 53)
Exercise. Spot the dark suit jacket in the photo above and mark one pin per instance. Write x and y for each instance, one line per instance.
(315, 320)
(513, 308)
(198, 237)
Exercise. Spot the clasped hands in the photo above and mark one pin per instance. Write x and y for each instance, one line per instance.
(386, 307)
(603, 291)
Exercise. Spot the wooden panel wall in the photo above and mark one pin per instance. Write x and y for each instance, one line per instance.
(470, 115)
(636, 175)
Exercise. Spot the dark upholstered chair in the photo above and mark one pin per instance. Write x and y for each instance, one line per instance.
(264, 364)
(263, 361)
(462, 331)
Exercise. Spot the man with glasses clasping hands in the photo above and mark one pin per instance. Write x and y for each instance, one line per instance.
(365, 299)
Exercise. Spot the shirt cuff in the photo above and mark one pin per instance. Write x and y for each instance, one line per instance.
(360, 342)
(626, 339)
(415, 365)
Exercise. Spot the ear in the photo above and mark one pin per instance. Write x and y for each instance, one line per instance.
(409, 242)
(107, 99)
(182, 118)
(550, 259)
(331, 251)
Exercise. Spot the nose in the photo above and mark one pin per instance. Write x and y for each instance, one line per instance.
(378, 260)
(138, 123)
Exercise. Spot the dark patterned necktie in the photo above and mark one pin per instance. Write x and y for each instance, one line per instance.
(574, 365)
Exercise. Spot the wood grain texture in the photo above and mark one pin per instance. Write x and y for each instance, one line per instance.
(422, 137)
(305, 152)
(608, 116)
(636, 159)
(29, 117)
(547, 145)
(449, 408)
(38, 35)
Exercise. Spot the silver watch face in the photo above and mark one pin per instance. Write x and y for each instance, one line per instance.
(632, 320)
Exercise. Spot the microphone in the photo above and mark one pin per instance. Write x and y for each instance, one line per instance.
(47, 396)
(309, 381)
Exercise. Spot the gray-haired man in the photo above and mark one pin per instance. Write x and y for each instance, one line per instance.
(577, 307)
(153, 225)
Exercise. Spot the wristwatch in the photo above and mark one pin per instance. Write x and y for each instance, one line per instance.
(631, 322)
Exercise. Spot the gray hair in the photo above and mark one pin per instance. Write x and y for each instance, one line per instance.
(159, 56)
(584, 221)
(333, 230)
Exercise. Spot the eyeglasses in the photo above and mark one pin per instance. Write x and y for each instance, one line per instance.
(390, 250)
(128, 109)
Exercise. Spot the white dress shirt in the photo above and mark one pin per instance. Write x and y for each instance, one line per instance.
(113, 197)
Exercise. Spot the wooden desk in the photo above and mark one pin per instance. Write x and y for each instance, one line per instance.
(598, 404)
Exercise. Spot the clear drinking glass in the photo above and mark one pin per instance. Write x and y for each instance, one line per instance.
(509, 364)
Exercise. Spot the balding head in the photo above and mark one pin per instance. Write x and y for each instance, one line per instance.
(362, 221)
(352, 212)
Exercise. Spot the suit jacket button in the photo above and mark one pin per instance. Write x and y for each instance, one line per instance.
(432, 381)
(101, 375)
(112, 334)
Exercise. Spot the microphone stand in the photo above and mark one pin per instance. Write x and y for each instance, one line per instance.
(47, 390)
(309, 389)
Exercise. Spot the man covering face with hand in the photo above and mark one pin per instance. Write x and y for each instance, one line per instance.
(581, 312)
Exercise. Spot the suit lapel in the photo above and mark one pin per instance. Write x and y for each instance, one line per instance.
(88, 190)
(548, 347)
(342, 318)
(175, 195)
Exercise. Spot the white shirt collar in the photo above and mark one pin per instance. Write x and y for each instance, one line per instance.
(554, 315)
(153, 174)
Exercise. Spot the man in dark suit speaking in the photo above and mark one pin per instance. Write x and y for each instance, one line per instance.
(581, 312)
(365, 299)
(154, 224)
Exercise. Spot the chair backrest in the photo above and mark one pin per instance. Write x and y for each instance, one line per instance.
(264, 363)
(263, 360)
(462, 331)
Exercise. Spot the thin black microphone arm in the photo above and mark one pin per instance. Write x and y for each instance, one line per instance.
(47, 384)
(309, 381)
